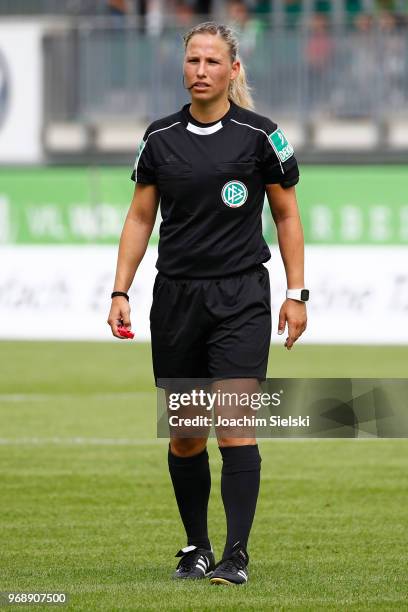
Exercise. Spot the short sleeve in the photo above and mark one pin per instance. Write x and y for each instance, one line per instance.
(278, 164)
(144, 169)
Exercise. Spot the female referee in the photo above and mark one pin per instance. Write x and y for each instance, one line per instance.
(209, 166)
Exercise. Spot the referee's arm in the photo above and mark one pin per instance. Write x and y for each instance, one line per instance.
(285, 213)
(134, 239)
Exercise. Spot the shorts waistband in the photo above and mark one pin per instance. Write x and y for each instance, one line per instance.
(254, 268)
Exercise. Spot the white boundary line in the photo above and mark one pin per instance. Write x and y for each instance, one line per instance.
(81, 441)
(44, 397)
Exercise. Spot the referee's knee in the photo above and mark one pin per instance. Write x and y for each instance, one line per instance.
(223, 441)
(187, 447)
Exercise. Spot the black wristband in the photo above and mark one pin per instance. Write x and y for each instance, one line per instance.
(120, 294)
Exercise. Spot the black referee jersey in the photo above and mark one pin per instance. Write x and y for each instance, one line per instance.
(211, 178)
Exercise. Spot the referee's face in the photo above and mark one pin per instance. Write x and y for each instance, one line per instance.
(208, 68)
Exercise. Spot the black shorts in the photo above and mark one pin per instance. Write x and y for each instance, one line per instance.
(215, 328)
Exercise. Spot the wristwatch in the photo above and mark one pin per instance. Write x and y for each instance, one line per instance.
(302, 295)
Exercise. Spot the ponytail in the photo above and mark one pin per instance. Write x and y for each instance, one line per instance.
(239, 90)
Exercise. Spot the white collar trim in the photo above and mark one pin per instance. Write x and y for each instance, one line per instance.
(204, 131)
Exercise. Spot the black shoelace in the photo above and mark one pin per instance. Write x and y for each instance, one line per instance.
(232, 564)
(188, 561)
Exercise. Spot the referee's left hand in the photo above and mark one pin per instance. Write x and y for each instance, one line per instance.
(294, 312)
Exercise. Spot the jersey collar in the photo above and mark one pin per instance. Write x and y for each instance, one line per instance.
(204, 129)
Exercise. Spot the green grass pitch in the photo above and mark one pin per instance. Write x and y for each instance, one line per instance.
(86, 505)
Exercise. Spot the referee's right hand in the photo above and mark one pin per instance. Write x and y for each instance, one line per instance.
(119, 315)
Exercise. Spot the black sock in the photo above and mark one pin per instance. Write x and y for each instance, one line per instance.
(191, 480)
(240, 478)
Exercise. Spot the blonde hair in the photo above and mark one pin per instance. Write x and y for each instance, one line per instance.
(239, 90)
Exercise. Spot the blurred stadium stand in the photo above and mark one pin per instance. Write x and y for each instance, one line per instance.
(333, 74)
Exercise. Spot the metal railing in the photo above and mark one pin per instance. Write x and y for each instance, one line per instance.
(288, 12)
(51, 7)
(95, 73)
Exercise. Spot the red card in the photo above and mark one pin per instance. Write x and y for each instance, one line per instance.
(126, 333)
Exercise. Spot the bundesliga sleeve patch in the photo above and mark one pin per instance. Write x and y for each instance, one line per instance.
(283, 148)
